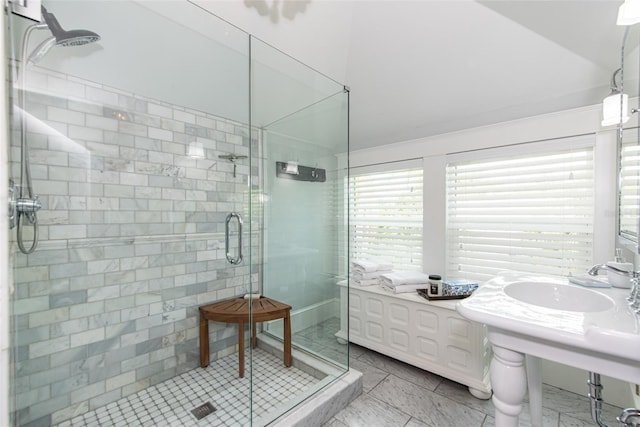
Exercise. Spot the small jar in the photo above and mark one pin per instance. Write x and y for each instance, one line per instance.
(435, 285)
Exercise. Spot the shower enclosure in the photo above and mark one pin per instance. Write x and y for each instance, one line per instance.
(134, 160)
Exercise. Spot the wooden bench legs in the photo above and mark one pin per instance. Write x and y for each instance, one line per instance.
(287, 339)
(241, 349)
(204, 342)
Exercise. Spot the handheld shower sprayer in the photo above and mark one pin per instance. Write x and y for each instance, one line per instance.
(23, 204)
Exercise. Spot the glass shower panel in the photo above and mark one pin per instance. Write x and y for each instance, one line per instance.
(124, 140)
(302, 118)
(304, 257)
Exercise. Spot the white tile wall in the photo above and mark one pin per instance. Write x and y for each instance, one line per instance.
(130, 244)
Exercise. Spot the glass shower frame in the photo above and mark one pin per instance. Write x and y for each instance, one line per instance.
(60, 286)
(304, 163)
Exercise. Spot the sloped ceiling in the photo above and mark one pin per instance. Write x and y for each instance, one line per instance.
(422, 68)
(415, 68)
(426, 67)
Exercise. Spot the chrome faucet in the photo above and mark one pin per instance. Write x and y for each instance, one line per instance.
(629, 417)
(593, 271)
(634, 294)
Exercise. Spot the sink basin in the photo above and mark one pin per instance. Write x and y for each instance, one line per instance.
(598, 322)
(558, 296)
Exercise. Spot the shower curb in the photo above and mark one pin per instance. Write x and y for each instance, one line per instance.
(318, 409)
(322, 406)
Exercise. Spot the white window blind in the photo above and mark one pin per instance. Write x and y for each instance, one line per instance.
(528, 212)
(629, 188)
(385, 218)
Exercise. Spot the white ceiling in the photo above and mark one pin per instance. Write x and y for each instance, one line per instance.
(421, 68)
(426, 68)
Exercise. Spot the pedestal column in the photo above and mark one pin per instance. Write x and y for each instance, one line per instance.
(534, 385)
(509, 383)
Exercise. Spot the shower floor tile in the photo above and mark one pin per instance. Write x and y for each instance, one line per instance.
(170, 402)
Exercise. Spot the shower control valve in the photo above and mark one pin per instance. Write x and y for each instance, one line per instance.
(29, 207)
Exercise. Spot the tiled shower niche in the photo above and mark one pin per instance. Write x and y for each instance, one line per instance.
(131, 243)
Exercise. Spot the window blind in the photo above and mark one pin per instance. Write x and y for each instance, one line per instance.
(385, 218)
(629, 189)
(531, 213)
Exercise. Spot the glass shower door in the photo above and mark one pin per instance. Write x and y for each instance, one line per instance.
(147, 149)
(125, 139)
(302, 120)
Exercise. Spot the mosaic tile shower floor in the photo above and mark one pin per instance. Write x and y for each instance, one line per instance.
(170, 402)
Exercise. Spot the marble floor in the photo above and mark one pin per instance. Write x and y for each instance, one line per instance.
(399, 395)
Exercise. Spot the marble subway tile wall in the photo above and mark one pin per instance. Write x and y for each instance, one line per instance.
(131, 243)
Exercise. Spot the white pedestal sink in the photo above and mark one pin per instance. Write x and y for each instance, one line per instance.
(542, 317)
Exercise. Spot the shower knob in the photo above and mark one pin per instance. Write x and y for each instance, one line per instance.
(28, 205)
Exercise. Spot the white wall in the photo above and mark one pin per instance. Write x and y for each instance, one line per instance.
(188, 57)
(182, 46)
(568, 123)
(317, 36)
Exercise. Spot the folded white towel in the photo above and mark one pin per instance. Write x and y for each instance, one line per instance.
(361, 275)
(404, 278)
(366, 282)
(368, 265)
(401, 289)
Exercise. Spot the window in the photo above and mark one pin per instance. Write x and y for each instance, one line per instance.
(530, 212)
(629, 187)
(385, 218)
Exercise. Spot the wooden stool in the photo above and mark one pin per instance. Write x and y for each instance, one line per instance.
(236, 310)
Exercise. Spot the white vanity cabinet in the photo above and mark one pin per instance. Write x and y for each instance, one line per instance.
(428, 334)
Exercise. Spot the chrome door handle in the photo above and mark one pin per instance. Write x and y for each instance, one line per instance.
(238, 259)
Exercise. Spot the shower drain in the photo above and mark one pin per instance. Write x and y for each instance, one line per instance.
(203, 410)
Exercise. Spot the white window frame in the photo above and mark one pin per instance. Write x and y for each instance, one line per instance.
(536, 148)
(413, 258)
(629, 189)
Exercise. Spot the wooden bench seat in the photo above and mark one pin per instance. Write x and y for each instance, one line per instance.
(241, 311)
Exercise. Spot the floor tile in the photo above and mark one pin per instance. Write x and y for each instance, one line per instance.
(356, 351)
(415, 423)
(425, 405)
(333, 422)
(460, 393)
(395, 394)
(402, 370)
(371, 376)
(567, 421)
(549, 418)
(608, 417)
(574, 405)
(219, 384)
(367, 411)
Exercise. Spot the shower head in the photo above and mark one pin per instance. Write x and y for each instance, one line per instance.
(68, 38)
(232, 158)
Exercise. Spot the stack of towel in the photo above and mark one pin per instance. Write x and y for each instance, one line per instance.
(404, 281)
(366, 272)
